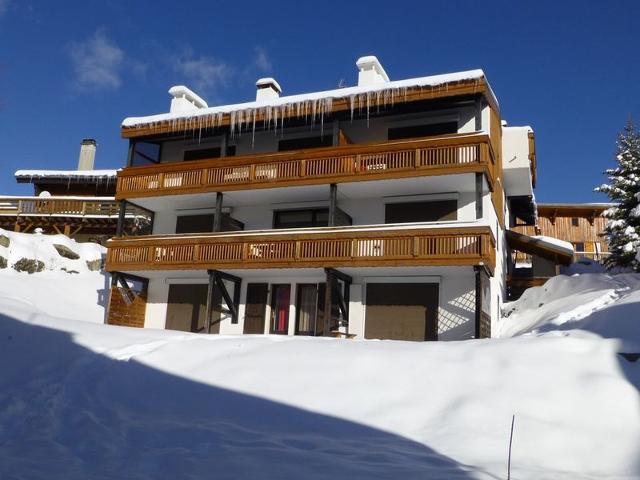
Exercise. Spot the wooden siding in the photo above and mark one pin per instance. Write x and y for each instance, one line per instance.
(589, 230)
(449, 154)
(412, 94)
(124, 313)
(328, 248)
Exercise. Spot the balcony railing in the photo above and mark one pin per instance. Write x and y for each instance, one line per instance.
(325, 247)
(457, 153)
(58, 206)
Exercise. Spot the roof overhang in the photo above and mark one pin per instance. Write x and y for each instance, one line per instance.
(540, 247)
(314, 104)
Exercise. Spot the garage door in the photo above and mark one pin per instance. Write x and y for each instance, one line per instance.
(402, 311)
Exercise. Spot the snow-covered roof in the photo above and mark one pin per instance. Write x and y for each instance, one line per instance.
(31, 175)
(315, 102)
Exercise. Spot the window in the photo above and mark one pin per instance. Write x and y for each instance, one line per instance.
(280, 299)
(194, 223)
(145, 153)
(315, 217)
(432, 211)
(186, 308)
(579, 247)
(208, 153)
(306, 142)
(575, 222)
(307, 309)
(428, 130)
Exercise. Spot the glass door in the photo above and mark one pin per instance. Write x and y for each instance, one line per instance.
(280, 301)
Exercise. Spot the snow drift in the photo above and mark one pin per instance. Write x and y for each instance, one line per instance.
(600, 304)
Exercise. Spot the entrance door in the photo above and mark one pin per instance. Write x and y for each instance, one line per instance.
(280, 300)
(256, 307)
(402, 311)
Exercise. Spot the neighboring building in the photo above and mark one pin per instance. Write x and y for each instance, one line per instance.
(375, 211)
(77, 203)
(580, 224)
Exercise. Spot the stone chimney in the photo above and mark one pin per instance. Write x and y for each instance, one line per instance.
(87, 154)
(185, 100)
(370, 71)
(268, 89)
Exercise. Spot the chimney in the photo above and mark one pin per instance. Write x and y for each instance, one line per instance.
(370, 71)
(87, 154)
(185, 100)
(268, 89)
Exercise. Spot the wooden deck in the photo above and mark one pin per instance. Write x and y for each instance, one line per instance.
(66, 215)
(450, 154)
(332, 247)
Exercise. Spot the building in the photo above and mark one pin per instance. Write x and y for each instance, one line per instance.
(374, 211)
(77, 203)
(580, 224)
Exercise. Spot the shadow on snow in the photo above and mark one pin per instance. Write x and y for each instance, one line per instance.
(67, 412)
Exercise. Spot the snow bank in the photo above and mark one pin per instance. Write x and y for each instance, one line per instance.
(597, 303)
(64, 288)
(41, 248)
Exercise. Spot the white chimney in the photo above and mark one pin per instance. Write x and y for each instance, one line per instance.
(87, 154)
(268, 89)
(370, 71)
(185, 100)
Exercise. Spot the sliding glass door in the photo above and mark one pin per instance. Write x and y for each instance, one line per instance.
(280, 301)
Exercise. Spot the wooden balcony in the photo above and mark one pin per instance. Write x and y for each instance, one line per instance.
(458, 153)
(384, 245)
(68, 215)
(58, 206)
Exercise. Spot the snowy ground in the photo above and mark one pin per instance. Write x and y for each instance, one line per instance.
(82, 400)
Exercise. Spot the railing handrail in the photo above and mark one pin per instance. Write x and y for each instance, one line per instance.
(439, 228)
(450, 140)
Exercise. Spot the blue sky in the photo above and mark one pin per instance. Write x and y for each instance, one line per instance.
(75, 69)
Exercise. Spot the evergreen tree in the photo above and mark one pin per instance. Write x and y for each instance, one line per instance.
(623, 226)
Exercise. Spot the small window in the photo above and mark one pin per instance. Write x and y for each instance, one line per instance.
(194, 223)
(306, 142)
(208, 153)
(428, 130)
(579, 247)
(575, 222)
(317, 217)
(433, 211)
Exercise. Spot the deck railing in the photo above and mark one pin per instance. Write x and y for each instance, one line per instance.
(58, 206)
(325, 248)
(447, 154)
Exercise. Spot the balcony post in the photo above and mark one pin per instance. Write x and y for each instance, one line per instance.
(477, 270)
(209, 311)
(328, 302)
(121, 217)
(130, 153)
(217, 218)
(479, 192)
(333, 197)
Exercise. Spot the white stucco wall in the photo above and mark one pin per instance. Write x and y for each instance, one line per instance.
(157, 296)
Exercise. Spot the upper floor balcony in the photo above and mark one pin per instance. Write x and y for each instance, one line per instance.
(443, 155)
